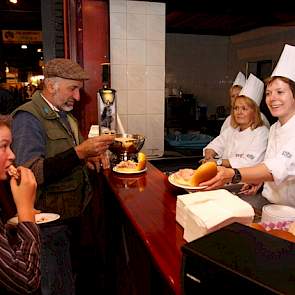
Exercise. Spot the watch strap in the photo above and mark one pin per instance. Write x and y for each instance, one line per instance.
(237, 176)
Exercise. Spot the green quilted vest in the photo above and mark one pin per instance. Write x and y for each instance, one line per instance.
(70, 195)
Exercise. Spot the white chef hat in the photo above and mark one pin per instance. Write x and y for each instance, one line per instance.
(240, 80)
(286, 64)
(253, 89)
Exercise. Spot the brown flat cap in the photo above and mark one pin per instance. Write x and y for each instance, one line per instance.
(64, 68)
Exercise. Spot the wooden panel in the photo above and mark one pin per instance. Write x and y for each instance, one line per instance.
(149, 202)
(88, 43)
(95, 52)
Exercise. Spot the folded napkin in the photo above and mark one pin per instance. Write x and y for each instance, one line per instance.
(185, 201)
(204, 212)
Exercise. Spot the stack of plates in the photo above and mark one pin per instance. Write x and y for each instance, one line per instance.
(277, 213)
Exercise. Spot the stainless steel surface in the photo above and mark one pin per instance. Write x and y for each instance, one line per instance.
(126, 146)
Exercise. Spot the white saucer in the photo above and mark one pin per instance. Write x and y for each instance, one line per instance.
(171, 179)
(129, 172)
(40, 218)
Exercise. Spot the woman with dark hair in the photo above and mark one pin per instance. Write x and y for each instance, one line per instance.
(277, 171)
(20, 259)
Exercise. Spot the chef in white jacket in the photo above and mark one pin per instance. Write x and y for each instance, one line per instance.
(277, 171)
(234, 91)
(245, 143)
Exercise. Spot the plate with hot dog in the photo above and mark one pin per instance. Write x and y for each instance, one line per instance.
(132, 167)
(128, 170)
(190, 178)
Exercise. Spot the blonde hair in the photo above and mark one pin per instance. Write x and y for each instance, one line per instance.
(257, 121)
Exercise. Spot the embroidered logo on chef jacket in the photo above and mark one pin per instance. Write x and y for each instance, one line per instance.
(250, 156)
(286, 154)
(239, 155)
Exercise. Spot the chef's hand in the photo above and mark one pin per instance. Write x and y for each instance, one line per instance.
(94, 146)
(205, 160)
(250, 189)
(223, 176)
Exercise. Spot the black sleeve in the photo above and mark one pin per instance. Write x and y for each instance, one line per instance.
(60, 165)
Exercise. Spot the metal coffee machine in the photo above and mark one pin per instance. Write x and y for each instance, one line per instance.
(107, 102)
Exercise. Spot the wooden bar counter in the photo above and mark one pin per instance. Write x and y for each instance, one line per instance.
(148, 202)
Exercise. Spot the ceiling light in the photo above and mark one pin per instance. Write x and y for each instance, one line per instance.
(13, 1)
(24, 47)
(39, 50)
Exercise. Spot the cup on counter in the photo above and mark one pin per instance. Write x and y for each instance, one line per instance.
(94, 131)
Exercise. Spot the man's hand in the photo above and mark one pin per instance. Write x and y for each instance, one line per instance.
(94, 146)
(94, 163)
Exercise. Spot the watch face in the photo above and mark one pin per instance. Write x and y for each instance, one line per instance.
(219, 162)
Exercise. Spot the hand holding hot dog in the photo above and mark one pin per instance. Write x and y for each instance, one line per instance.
(24, 194)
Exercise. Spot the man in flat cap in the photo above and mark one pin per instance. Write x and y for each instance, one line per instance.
(47, 140)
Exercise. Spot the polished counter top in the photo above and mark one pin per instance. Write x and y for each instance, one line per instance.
(149, 202)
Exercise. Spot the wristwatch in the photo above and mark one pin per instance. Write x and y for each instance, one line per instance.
(237, 176)
(219, 162)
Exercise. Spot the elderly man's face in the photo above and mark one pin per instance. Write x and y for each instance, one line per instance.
(66, 93)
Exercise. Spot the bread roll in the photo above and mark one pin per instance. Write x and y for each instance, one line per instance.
(141, 158)
(13, 172)
(190, 177)
(292, 228)
(204, 172)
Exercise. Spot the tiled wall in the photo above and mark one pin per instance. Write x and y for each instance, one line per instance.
(137, 46)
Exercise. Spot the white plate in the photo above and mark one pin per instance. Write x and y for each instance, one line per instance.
(277, 213)
(171, 179)
(129, 172)
(40, 218)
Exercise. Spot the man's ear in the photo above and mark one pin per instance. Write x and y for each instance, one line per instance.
(51, 88)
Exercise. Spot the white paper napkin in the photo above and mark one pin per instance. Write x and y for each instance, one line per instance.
(203, 212)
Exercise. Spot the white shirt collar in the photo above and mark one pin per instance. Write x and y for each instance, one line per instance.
(50, 104)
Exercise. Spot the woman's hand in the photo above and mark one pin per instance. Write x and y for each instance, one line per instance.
(223, 176)
(24, 194)
(250, 189)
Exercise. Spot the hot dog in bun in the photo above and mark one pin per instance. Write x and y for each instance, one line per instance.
(132, 166)
(13, 172)
(192, 177)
